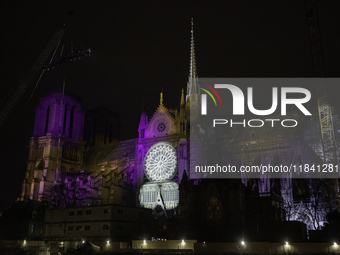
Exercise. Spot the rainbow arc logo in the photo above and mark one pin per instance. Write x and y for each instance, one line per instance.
(204, 97)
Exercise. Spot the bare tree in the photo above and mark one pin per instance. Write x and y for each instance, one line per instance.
(66, 192)
(309, 202)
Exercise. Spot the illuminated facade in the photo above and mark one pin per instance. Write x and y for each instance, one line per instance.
(56, 145)
(147, 171)
(162, 157)
(160, 165)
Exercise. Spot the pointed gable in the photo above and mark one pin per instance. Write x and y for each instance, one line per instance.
(161, 123)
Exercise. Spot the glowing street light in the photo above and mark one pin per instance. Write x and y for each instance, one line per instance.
(335, 244)
(108, 242)
(287, 243)
(242, 243)
(144, 241)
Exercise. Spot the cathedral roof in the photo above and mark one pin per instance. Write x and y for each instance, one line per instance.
(115, 151)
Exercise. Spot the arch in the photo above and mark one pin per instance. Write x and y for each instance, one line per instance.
(70, 134)
(214, 210)
(47, 119)
(67, 108)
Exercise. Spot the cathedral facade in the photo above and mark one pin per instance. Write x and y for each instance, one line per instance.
(150, 166)
(82, 153)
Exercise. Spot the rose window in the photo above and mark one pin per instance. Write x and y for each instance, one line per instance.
(160, 162)
(161, 127)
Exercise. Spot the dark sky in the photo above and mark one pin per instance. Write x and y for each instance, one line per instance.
(141, 48)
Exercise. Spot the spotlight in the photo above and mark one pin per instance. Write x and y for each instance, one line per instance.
(203, 241)
(83, 241)
(108, 242)
(144, 241)
(335, 244)
(182, 241)
(287, 243)
(242, 243)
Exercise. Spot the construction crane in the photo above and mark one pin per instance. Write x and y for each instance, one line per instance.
(324, 108)
(38, 65)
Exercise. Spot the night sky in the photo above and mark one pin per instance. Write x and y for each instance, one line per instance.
(141, 48)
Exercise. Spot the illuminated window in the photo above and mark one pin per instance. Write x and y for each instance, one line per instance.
(214, 212)
(160, 162)
(167, 191)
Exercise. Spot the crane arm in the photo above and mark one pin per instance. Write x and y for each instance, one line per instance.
(39, 63)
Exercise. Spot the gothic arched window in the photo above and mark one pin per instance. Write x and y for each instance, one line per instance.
(65, 118)
(47, 119)
(214, 212)
(71, 123)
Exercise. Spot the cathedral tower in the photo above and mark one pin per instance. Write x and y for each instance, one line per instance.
(56, 144)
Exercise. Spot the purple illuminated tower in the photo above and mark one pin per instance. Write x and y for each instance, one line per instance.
(56, 144)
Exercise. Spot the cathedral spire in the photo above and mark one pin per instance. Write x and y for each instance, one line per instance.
(161, 100)
(182, 98)
(192, 87)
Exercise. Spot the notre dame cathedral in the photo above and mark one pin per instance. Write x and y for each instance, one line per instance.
(82, 151)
